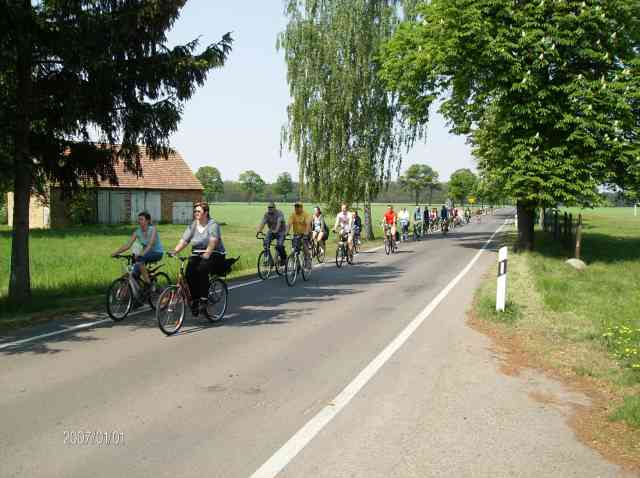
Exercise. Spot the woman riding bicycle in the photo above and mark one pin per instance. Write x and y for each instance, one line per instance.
(344, 226)
(320, 230)
(204, 235)
(390, 219)
(147, 236)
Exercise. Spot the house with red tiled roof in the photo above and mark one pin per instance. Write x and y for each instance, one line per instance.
(167, 189)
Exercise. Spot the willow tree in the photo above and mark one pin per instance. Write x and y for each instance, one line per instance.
(343, 125)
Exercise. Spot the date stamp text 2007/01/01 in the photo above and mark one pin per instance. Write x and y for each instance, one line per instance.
(93, 438)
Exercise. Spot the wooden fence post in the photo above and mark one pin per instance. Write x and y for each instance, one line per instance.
(579, 237)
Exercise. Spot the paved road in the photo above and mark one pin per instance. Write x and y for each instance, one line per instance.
(220, 401)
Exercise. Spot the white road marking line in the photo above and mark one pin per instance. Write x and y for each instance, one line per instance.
(281, 458)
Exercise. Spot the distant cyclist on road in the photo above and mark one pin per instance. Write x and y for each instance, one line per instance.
(357, 226)
(344, 225)
(276, 227)
(390, 221)
(404, 219)
(299, 226)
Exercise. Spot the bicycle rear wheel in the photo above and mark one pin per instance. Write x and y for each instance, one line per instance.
(349, 256)
(291, 269)
(217, 299)
(170, 309)
(159, 282)
(265, 265)
(119, 299)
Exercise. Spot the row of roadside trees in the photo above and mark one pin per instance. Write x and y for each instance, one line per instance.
(547, 92)
(420, 183)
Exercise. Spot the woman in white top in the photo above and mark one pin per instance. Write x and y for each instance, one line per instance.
(344, 225)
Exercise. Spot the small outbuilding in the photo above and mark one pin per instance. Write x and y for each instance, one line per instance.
(167, 190)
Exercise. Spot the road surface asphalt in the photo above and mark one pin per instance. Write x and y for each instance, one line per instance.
(219, 401)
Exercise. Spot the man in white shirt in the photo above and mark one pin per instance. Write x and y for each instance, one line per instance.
(344, 225)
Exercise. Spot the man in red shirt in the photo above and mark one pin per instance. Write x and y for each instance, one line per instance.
(390, 220)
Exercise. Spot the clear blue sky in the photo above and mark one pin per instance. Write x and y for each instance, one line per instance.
(234, 121)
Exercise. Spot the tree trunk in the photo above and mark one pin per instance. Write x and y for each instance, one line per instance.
(417, 197)
(526, 213)
(20, 278)
(368, 223)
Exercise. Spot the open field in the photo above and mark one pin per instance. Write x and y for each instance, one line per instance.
(71, 267)
(581, 326)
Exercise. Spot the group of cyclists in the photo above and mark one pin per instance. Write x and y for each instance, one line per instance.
(209, 254)
(306, 229)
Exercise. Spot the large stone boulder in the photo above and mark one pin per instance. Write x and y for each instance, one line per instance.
(577, 264)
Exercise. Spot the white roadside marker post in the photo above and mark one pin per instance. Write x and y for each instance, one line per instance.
(501, 293)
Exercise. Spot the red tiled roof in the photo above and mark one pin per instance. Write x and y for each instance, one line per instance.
(171, 173)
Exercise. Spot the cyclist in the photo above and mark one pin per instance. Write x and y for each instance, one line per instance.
(320, 228)
(203, 234)
(300, 226)
(404, 222)
(417, 220)
(274, 220)
(344, 225)
(147, 236)
(390, 220)
(357, 227)
(467, 215)
(444, 216)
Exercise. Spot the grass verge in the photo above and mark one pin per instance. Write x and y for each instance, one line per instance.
(579, 327)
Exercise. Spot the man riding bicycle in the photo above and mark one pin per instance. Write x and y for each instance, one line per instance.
(276, 227)
(404, 219)
(147, 236)
(344, 226)
(390, 220)
(299, 226)
(357, 226)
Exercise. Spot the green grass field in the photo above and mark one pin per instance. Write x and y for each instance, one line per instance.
(587, 321)
(71, 267)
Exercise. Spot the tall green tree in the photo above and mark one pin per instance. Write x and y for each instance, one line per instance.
(77, 76)
(209, 177)
(342, 124)
(251, 183)
(462, 184)
(283, 186)
(418, 178)
(548, 91)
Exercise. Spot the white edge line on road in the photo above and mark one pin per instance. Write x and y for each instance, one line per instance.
(281, 458)
(88, 325)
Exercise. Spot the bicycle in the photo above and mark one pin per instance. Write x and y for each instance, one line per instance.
(390, 243)
(417, 231)
(405, 230)
(444, 226)
(356, 242)
(266, 262)
(171, 305)
(317, 251)
(294, 262)
(343, 252)
(127, 288)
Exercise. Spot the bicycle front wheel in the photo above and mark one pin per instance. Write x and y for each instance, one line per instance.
(119, 299)
(339, 256)
(159, 282)
(307, 265)
(170, 309)
(291, 269)
(387, 246)
(265, 265)
(320, 254)
(217, 299)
